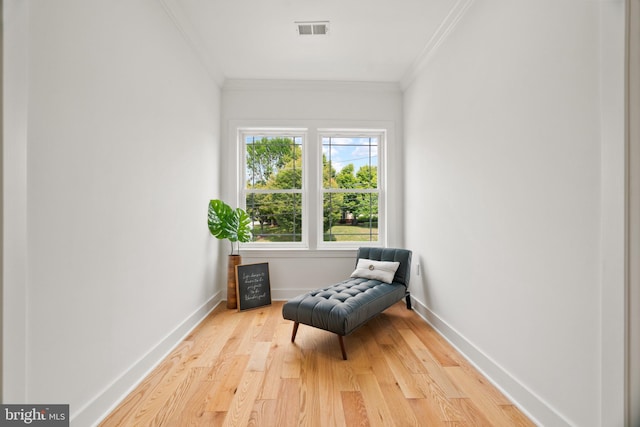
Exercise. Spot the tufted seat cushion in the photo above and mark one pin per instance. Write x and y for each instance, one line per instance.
(344, 306)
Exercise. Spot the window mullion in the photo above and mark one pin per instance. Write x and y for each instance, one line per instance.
(284, 179)
(272, 185)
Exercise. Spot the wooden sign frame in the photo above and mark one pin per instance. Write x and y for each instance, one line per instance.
(253, 287)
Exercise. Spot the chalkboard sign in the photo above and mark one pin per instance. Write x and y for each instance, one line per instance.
(252, 285)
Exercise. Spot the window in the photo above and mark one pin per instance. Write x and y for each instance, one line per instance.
(273, 186)
(337, 203)
(350, 187)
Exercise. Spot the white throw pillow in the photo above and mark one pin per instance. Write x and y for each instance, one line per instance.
(376, 270)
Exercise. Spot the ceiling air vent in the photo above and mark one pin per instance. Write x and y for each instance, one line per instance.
(312, 28)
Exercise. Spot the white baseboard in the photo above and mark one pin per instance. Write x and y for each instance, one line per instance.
(287, 294)
(106, 401)
(527, 401)
(539, 411)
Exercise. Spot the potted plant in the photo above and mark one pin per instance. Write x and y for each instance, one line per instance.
(234, 225)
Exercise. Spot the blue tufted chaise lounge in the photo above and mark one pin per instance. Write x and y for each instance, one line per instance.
(345, 306)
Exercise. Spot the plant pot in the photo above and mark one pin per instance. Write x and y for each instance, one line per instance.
(232, 298)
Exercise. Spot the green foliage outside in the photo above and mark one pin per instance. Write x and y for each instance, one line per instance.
(343, 212)
(352, 233)
(276, 163)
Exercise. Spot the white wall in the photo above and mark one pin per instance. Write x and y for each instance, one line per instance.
(502, 205)
(313, 105)
(613, 194)
(122, 143)
(504, 198)
(634, 211)
(15, 22)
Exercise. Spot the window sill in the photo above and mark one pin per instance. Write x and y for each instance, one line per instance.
(298, 253)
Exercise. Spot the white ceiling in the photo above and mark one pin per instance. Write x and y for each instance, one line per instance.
(369, 40)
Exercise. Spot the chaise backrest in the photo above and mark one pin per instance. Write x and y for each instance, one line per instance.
(403, 256)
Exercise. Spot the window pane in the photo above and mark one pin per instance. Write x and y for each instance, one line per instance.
(273, 162)
(350, 162)
(275, 217)
(350, 217)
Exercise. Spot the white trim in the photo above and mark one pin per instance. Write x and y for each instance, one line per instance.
(106, 401)
(268, 253)
(287, 294)
(310, 130)
(241, 188)
(633, 212)
(275, 246)
(270, 131)
(308, 85)
(380, 190)
(441, 33)
(532, 405)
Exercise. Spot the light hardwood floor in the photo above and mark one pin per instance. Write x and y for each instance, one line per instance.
(241, 369)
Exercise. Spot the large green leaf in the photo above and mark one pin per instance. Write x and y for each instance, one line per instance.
(244, 226)
(227, 223)
(218, 218)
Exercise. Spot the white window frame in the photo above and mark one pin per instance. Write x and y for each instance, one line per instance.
(243, 191)
(312, 191)
(381, 134)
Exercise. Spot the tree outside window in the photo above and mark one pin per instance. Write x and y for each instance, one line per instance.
(348, 191)
(273, 187)
(350, 188)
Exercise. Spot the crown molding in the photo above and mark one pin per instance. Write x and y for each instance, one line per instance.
(309, 85)
(193, 39)
(446, 27)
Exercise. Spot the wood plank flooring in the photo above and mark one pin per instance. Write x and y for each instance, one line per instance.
(241, 369)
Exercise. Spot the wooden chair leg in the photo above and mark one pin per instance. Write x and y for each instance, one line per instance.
(407, 298)
(295, 331)
(344, 352)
